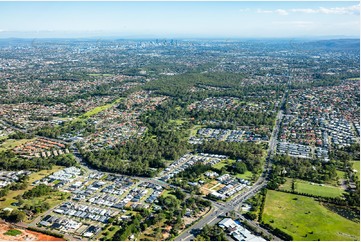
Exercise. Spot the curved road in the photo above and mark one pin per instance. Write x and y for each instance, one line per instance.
(219, 209)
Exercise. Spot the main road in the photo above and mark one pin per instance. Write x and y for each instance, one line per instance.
(221, 209)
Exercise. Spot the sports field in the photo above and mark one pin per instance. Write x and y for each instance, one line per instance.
(313, 188)
(306, 219)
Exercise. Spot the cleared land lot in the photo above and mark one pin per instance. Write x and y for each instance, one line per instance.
(306, 219)
(313, 189)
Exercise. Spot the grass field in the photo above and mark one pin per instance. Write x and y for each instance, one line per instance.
(110, 232)
(53, 199)
(306, 219)
(13, 232)
(306, 187)
(356, 165)
(178, 121)
(247, 175)
(12, 143)
(3, 137)
(33, 177)
(341, 174)
(221, 164)
(195, 128)
(99, 109)
(167, 193)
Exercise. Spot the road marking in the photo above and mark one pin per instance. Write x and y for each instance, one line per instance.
(186, 237)
(212, 219)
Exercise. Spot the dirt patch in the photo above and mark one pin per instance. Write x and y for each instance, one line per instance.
(210, 184)
(189, 220)
(205, 191)
(25, 234)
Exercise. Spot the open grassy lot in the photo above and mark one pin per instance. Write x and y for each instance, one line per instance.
(3, 137)
(195, 128)
(53, 199)
(341, 174)
(12, 143)
(221, 164)
(108, 233)
(177, 121)
(313, 189)
(99, 109)
(9, 199)
(306, 219)
(356, 165)
(153, 232)
(247, 175)
(167, 193)
(13, 232)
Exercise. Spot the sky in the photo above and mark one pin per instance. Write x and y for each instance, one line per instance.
(180, 19)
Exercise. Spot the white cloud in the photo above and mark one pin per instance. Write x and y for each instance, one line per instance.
(303, 10)
(350, 10)
(277, 11)
(294, 23)
(264, 11)
(245, 10)
(281, 12)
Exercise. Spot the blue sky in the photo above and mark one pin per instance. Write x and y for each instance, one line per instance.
(179, 19)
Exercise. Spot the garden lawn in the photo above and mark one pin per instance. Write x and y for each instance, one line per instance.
(306, 219)
(316, 189)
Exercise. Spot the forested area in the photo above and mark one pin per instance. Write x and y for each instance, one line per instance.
(249, 153)
(10, 161)
(67, 127)
(38, 191)
(161, 142)
(211, 233)
(306, 169)
(136, 157)
(174, 210)
(346, 153)
(238, 117)
(229, 84)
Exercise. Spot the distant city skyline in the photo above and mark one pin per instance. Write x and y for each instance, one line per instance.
(179, 19)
